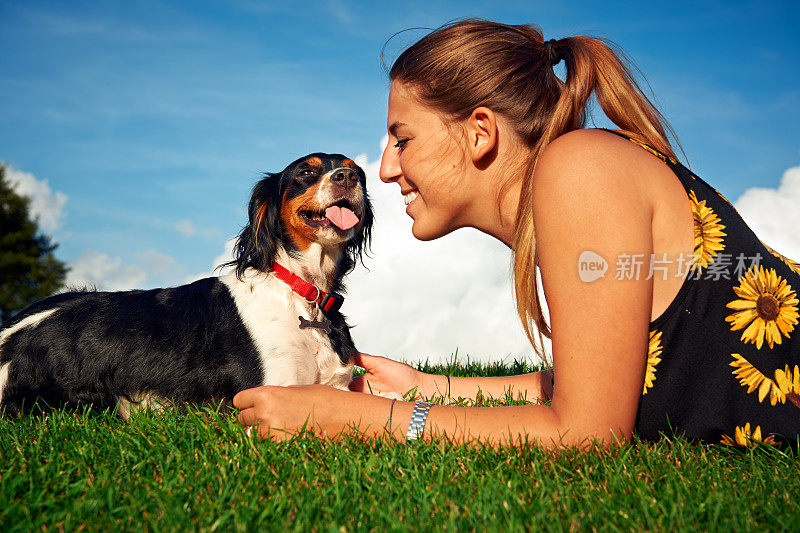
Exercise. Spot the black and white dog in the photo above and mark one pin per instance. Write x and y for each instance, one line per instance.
(273, 320)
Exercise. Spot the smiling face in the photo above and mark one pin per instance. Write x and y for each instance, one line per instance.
(323, 200)
(319, 200)
(428, 163)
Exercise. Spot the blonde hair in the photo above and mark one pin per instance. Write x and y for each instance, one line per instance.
(471, 63)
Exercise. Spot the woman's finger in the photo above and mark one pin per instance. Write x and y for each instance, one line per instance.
(262, 428)
(247, 417)
(366, 361)
(368, 384)
(246, 398)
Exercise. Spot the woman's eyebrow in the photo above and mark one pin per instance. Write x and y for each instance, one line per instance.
(393, 127)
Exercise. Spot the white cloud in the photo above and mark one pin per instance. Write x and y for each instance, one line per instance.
(158, 264)
(423, 300)
(94, 269)
(47, 206)
(225, 257)
(215, 270)
(774, 214)
(150, 268)
(185, 228)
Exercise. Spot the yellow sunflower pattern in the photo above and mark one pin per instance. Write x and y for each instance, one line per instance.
(794, 266)
(785, 385)
(766, 308)
(789, 383)
(653, 358)
(708, 234)
(743, 437)
(654, 151)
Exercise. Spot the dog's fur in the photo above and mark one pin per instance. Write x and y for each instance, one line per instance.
(207, 340)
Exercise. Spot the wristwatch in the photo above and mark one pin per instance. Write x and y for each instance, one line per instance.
(418, 418)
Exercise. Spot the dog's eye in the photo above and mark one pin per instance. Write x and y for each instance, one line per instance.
(308, 173)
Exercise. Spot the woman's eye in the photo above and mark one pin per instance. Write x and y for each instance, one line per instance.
(401, 143)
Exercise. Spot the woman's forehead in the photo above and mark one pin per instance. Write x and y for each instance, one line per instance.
(405, 108)
(397, 102)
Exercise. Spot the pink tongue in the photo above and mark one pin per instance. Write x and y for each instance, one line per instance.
(341, 217)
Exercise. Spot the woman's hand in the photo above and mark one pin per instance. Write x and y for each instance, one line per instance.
(281, 412)
(385, 375)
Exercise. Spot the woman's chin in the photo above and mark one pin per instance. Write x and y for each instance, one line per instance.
(421, 236)
(423, 232)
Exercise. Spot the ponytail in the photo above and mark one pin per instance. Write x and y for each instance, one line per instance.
(598, 65)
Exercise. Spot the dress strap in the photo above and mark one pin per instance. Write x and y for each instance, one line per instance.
(659, 154)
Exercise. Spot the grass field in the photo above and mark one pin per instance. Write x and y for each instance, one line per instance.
(196, 470)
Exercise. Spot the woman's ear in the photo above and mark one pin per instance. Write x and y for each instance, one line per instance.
(481, 129)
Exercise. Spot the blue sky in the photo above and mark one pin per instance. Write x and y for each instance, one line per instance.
(152, 120)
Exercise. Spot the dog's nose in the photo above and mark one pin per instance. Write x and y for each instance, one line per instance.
(345, 177)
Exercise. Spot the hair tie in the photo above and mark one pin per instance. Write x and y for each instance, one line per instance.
(552, 55)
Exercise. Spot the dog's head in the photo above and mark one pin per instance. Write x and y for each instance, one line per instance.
(319, 198)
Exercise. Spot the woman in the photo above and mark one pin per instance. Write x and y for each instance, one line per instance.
(691, 327)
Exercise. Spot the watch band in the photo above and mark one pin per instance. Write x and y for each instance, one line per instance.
(418, 418)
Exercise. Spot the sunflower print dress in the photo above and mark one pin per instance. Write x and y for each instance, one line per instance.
(723, 362)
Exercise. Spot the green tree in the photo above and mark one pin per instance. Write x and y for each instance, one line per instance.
(28, 269)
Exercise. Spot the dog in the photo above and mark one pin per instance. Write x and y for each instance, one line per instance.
(273, 320)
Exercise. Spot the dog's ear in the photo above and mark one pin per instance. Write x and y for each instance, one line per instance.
(359, 245)
(258, 243)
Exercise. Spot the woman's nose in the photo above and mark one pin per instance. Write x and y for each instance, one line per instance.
(390, 164)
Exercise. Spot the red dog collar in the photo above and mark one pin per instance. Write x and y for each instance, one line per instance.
(327, 301)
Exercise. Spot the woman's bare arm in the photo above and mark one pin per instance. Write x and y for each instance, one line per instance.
(386, 375)
(532, 386)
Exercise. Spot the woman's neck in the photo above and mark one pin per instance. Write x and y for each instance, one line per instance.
(498, 215)
(498, 179)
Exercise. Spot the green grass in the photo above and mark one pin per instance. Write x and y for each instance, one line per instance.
(196, 470)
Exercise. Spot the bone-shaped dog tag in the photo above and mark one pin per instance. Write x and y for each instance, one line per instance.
(323, 325)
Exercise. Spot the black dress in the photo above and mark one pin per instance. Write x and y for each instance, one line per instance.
(724, 357)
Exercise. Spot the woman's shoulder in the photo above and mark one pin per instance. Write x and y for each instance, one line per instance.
(588, 159)
(594, 163)
(587, 147)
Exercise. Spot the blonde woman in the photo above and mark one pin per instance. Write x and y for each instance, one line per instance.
(690, 330)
